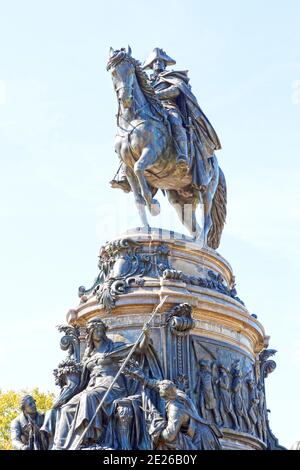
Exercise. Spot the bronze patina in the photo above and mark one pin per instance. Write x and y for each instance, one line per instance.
(166, 142)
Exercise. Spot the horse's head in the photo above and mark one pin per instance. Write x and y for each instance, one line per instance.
(121, 66)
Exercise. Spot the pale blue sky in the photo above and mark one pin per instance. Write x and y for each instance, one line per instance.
(57, 125)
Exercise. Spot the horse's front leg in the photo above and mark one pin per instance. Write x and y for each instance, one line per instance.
(147, 158)
(139, 200)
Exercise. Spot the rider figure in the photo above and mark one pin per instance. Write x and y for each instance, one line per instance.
(168, 93)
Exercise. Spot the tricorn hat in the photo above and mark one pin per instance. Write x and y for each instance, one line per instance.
(158, 53)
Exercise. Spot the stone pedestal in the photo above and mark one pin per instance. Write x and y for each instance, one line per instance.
(217, 354)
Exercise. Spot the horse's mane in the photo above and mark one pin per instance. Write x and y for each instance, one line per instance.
(141, 76)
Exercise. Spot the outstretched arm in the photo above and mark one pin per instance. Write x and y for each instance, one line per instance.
(138, 374)
(169, 93)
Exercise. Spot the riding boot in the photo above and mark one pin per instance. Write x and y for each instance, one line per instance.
(121, 184)
(120, 181)
(181, 145)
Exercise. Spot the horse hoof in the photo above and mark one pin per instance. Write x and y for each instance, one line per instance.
(154, 207)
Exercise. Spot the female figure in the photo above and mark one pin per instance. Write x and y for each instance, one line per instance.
(101, 362)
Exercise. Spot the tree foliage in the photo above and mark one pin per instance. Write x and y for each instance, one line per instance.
(10, 408)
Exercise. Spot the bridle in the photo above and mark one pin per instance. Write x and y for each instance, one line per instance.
(115, 60)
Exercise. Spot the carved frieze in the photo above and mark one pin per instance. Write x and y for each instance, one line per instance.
(229, 388)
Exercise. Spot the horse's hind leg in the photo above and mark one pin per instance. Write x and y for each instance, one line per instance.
(186, 211)
(139, 200)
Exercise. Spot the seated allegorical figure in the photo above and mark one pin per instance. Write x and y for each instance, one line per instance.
(100, 364)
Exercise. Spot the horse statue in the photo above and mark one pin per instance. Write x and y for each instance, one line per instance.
(147, 152)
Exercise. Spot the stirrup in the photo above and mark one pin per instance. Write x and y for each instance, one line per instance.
(121, 184)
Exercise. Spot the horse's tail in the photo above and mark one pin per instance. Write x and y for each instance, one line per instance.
(218, 212)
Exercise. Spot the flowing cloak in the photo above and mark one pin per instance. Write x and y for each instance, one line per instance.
(75, 415)
(204, 436)
(204, 140)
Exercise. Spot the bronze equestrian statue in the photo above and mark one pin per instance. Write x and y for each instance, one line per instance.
(166, 142)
